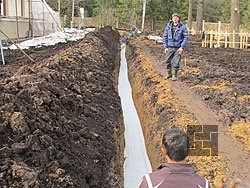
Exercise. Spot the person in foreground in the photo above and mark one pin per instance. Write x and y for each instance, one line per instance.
(175, 173)
(175, 40)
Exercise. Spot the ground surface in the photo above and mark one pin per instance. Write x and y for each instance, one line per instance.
(60, 117)
(221, 78)
(215, 91)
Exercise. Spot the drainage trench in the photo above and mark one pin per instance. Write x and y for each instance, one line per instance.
(159, 108)
(136, 159)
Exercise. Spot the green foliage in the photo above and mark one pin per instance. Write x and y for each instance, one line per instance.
(244, 11)
(130, 11)
(213, 12)
(246, 15)
(163, 9)
(226, 11)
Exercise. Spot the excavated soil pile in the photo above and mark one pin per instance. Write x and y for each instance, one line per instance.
(60, 118)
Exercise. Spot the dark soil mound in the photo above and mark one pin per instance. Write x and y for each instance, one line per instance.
(60, 118)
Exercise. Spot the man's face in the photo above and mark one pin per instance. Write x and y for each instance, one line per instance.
(175, 19)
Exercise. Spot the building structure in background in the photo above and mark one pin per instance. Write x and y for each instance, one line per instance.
(27, 18)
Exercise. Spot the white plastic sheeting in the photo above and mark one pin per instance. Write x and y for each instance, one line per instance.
(136, 160)
(46, 20)
(156, 38)
(54, 38)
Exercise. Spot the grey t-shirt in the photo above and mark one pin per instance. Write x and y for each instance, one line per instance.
(174, 29)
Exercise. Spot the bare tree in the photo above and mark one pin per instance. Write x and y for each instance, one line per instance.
(190, 17)
(200, 14)
(235, 21)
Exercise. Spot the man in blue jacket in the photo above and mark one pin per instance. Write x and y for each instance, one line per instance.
(175, 40)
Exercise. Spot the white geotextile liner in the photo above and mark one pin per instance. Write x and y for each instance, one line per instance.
(136, 159)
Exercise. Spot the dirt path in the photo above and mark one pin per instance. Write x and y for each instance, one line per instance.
(236, 158)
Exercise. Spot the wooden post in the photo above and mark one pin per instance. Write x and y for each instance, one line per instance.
(30, 29)
(73, 13)
(205, 40)
(31, 8)
(241, 40)
(219, 34)
(17, 25)
(246, 40)
(59, 6)
(43, 19)
(143, 14)
(192, 31)
(246, 37)
(226, 40)
(233, 38)
(203, 25)
(211, 39)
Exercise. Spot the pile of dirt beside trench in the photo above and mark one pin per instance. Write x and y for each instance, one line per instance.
(61, 120)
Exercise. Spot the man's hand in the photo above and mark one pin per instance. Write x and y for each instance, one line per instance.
(166, 50)
(181, 50)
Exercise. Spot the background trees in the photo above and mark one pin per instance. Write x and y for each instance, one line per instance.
(130, 11)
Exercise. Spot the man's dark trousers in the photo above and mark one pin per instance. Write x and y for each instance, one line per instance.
(174, 54)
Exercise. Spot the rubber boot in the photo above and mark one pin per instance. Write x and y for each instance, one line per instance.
(169, 74)
(174, 74)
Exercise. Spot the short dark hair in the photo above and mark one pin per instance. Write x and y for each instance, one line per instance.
(176, 143)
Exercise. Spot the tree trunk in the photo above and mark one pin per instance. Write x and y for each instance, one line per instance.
(190, 17)
(235, 22)
(200, 13)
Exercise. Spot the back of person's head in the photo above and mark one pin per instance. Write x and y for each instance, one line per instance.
(175, 141)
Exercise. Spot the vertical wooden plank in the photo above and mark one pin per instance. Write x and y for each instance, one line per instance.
(241, 40)
(43, 19)
(211, 39)
(219, 34)
(5, 8)
(205, 40)
(17, 22)
(233, 38)
(226, 40)
(247, 40)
